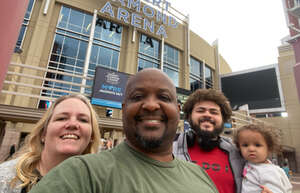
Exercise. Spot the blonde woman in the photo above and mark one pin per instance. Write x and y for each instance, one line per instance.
(69, 127)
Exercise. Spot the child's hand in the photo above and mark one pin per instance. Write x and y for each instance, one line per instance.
(265, 190)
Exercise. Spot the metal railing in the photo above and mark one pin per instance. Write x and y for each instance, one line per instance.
(32, 115)
(20, 76)
(240, 119)
(243, 119)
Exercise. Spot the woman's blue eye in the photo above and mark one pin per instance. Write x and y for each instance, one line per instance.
(84, 120)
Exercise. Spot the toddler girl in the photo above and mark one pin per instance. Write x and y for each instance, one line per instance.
(256, 143)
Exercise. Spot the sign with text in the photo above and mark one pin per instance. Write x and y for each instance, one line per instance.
(141, 15)
(109, 87)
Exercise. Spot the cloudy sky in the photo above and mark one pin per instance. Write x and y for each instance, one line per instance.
(249, 31)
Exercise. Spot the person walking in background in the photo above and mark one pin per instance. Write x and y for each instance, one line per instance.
(286, 169)
(256, 143)
(69, 127)
(143, 162)
(12, 150)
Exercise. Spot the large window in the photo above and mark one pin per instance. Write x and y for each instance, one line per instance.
(106, 48)
(208, 77)
(196, 74)
(24, 26)
(69, 51)
(148, 56)
(171, 63)
(106, 45)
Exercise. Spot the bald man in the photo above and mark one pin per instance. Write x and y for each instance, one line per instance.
(144, 162)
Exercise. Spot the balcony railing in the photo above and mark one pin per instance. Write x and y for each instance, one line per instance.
(241, 118)
(32, 79)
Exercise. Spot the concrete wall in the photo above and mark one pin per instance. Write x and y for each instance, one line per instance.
(290, 125)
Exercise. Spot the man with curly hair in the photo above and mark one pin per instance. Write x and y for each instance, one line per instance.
(206, 110)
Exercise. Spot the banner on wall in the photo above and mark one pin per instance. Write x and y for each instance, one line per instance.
(109, 87)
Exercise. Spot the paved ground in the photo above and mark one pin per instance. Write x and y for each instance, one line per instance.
(295, 180)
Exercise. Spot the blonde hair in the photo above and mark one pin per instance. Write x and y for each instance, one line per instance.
(28, 162)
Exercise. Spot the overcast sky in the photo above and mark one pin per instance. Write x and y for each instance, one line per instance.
(249, 31)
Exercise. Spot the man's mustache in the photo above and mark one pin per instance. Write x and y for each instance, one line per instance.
(207, 119)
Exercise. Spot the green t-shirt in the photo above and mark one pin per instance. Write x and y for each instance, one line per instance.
(124, 170)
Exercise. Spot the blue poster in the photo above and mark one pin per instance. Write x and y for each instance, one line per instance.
(109, 87)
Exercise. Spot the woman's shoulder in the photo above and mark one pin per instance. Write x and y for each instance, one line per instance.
(10, 162)
(8, 169)
(7, 173)
(8, 165)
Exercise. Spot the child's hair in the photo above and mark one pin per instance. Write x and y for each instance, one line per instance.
(269, 133)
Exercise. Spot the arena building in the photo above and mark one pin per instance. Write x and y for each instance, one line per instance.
(69, 47)
(62, 42)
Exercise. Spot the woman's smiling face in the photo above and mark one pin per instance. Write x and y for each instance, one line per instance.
(69, 130)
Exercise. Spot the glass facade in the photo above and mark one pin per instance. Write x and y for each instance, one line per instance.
(106, 45)
(208, 77)
(171, 63)
(196, 74)
(149, 53)
(69, 52)
(149, 57)
(24, 25)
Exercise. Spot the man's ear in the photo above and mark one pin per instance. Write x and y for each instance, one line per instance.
(123, 105)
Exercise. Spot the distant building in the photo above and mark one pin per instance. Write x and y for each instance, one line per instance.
(270, 94)
(289, 60)
(292, 15)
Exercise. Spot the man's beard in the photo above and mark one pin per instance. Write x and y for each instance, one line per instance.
(207, 140)
(148, 144)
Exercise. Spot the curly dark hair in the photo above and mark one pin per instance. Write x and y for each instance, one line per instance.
(208, 95)
(268, 132)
